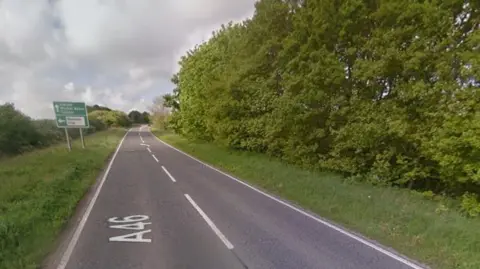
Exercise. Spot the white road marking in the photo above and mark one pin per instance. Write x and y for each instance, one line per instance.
(131, 226)
(319, 220)
(210, 223)
(76, 235)
(142, 144)
(133, 218)
(149, 150)
(134, 222)
(155, 158)
(169, 175)
(133, 237)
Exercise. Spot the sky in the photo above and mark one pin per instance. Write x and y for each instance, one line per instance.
(116, 53)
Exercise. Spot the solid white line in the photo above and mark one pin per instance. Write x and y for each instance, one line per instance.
(155, 158)
(324, 222)
(210, 223)
(149, 150)
(169, 175)
(81, 225)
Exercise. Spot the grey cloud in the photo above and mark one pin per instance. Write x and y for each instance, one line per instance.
(110, 52)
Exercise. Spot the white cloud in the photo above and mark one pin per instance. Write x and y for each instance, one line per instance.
(69, 87)
(87, 95)
(111, 52)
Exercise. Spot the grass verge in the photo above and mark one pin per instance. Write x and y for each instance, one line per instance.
(39, 192)
(422, 229)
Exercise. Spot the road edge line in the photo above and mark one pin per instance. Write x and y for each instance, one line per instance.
(376, 247)
(73, 241)
(210, 223)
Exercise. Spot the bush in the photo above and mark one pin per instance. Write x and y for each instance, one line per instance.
(17, 131)
(49, 132)
(470, 205)
(109, 118)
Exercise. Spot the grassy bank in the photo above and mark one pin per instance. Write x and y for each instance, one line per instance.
(39, 191)
(425, 230)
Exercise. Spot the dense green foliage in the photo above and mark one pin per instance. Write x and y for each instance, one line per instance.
(103, 117)
(388, 90)
(19, 133)
(137, 117)
(110, 118)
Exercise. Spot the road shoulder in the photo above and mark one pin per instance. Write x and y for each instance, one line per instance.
(53, 260)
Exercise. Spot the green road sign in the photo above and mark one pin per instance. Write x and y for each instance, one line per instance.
(71, 114)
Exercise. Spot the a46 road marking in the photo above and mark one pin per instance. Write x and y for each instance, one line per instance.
(136, 223)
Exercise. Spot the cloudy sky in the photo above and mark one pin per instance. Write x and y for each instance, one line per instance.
(118, 53)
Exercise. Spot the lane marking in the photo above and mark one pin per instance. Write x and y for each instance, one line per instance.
(142, 144)
(169, 175)
(319, 220)
(210, 223)
(68, 252)
(149, 150)
(155, 158)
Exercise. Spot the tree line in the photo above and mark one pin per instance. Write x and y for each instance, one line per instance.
(384, 91)
(20, 133)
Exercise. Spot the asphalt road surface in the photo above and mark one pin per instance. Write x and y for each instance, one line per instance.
(157, 207)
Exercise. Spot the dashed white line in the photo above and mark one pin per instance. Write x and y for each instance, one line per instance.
(341, 230)
(168, 174)
(155, 158)
(210, 223)
(149, 150)
(68, 252)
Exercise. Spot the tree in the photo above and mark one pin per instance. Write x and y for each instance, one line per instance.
(171, 101)
(159, 113)
(146, 117)
(112, 118)
(135, 116)
(17, 132)
(387, 89)
(97, 107)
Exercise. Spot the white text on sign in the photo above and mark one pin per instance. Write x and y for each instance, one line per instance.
(135, 222)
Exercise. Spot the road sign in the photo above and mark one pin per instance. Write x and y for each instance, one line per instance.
(71, 114)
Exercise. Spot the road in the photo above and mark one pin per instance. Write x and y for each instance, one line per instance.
(159, 208)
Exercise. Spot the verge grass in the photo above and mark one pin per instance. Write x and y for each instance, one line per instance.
(39, 192)
(425, 230)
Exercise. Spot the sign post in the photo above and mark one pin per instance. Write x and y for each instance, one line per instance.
(71, 115)
(81, 137)
(69, 146)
